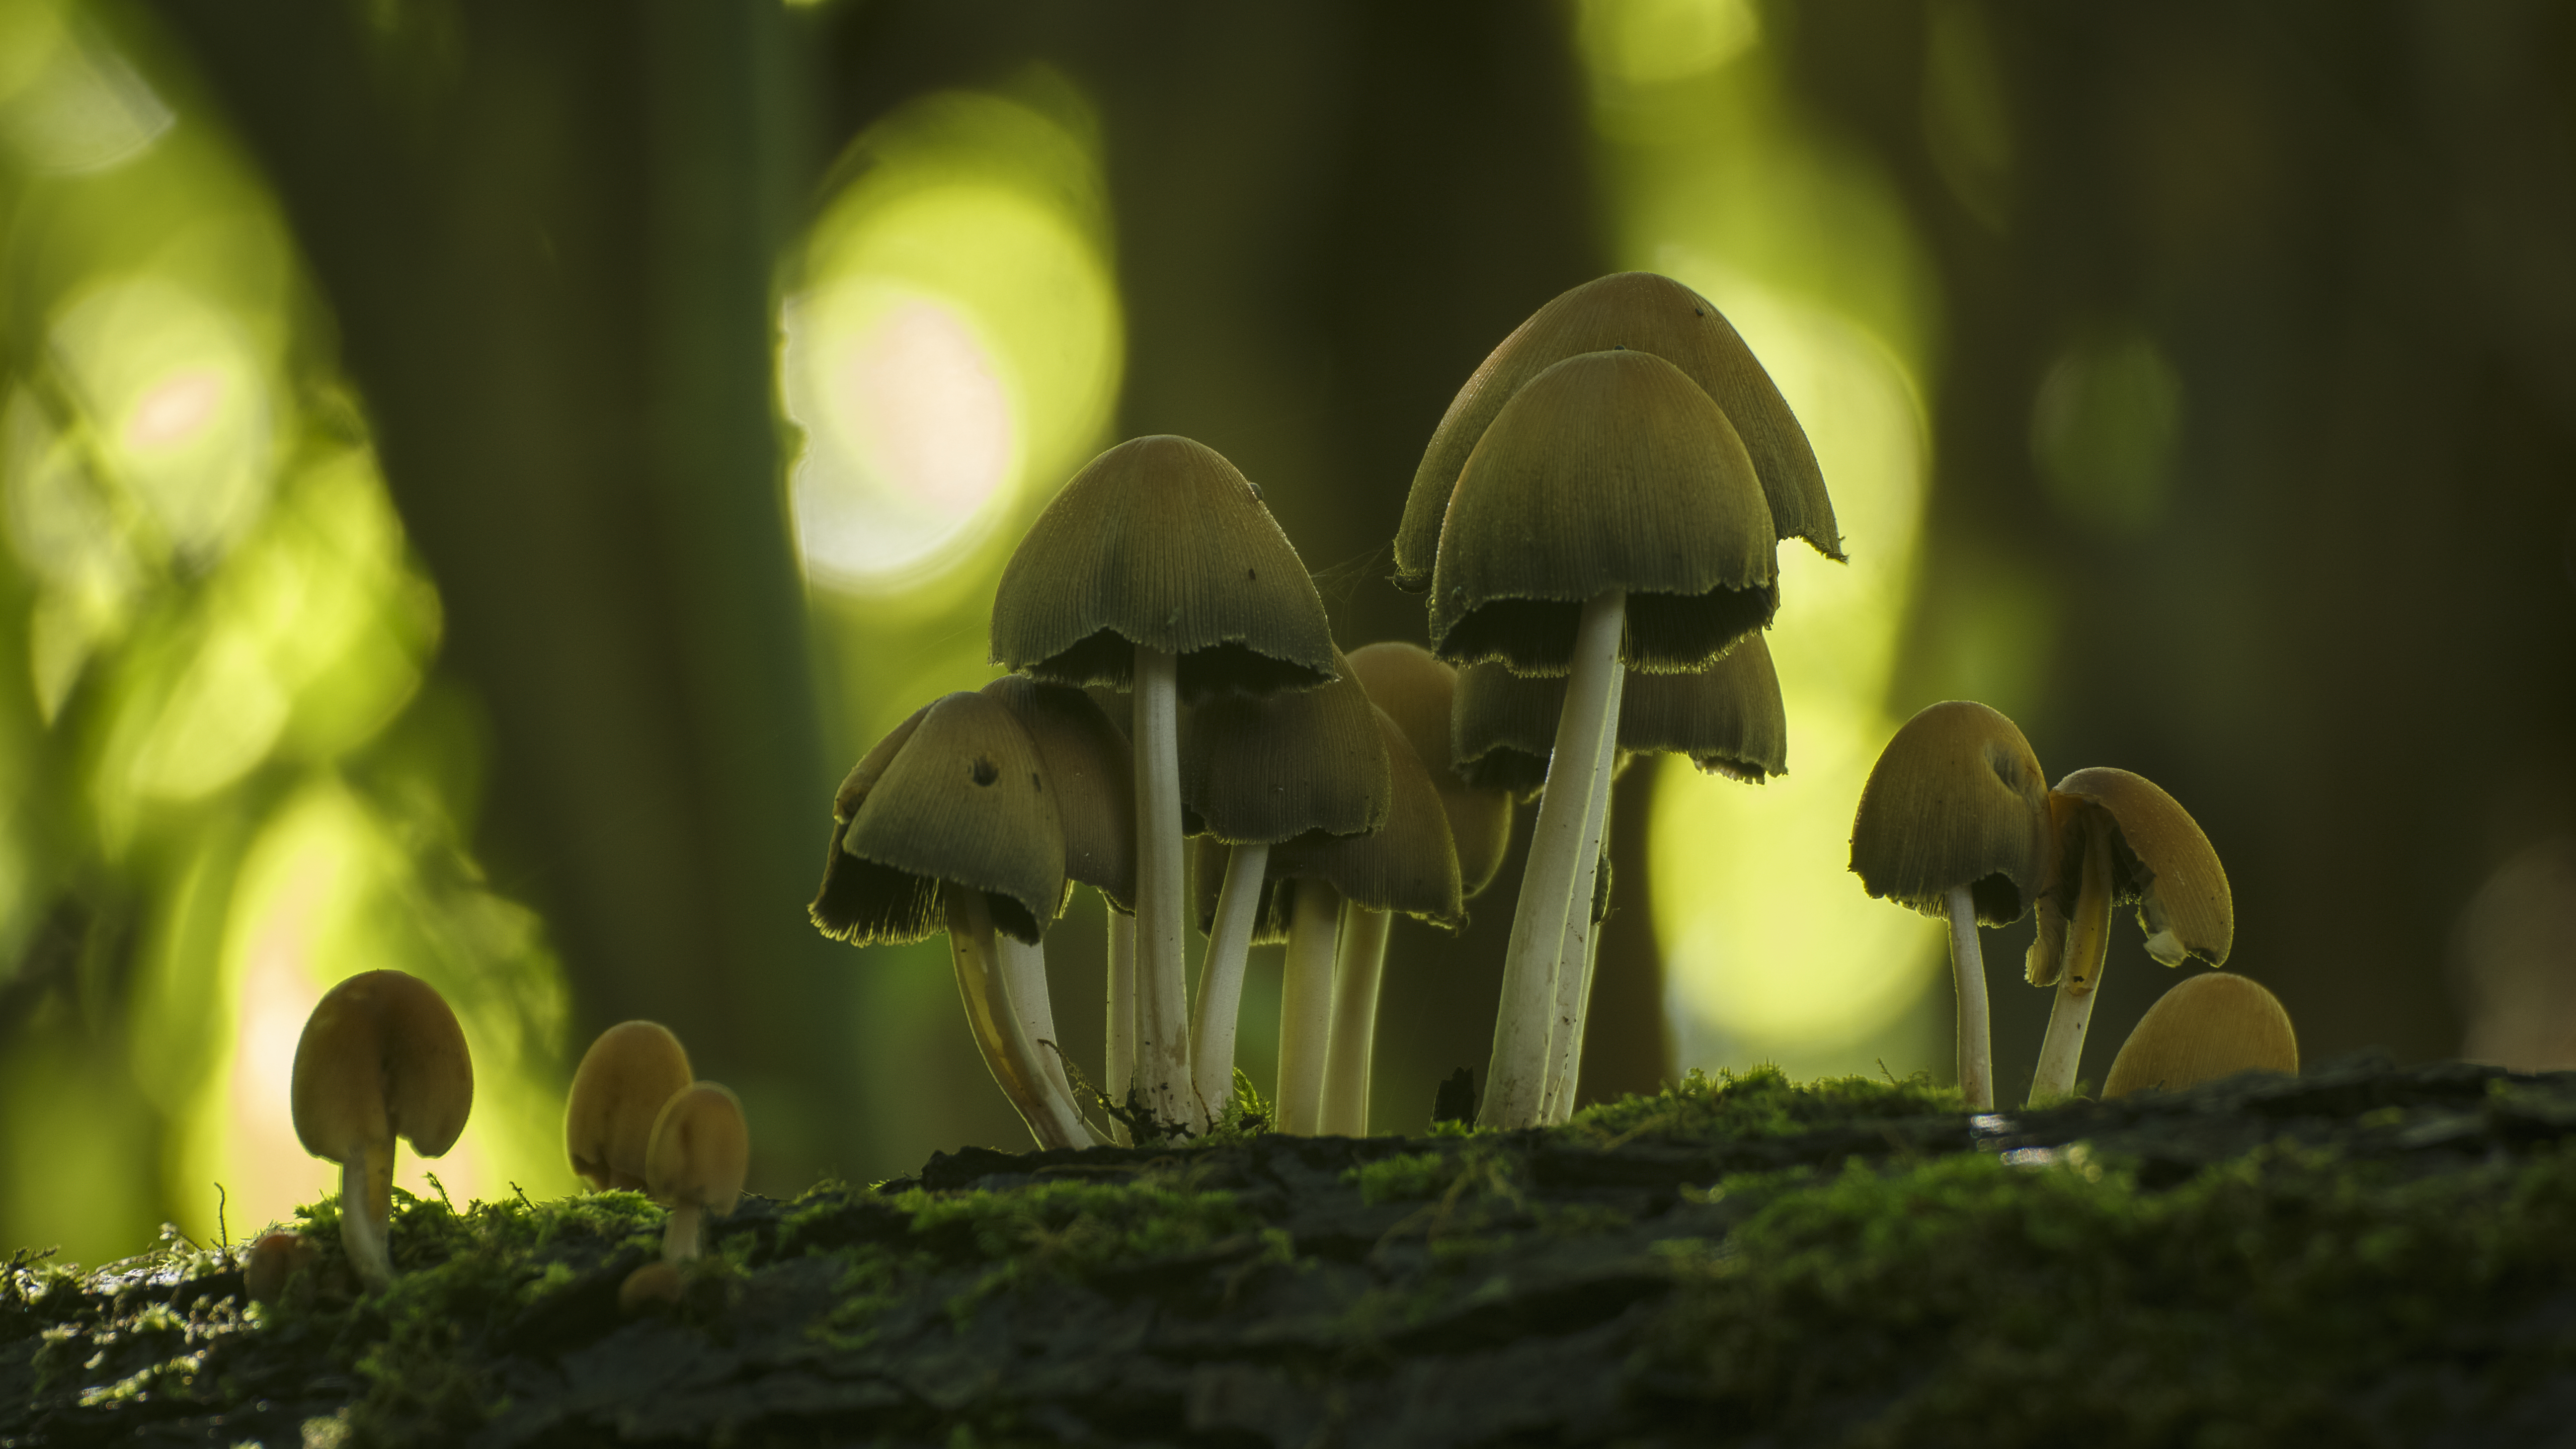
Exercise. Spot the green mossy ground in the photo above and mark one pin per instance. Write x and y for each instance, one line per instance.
(2356, 1256)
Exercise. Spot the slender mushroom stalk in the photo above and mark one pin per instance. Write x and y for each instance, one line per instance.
(2207, 1027)
(624, 1081)
(2087, 936)
(1162, 1003)
(1578, 952)
(700, 1154)
(381, 1057)
(1359, 967)
(1976, 1037)
(1212, 1033)
(1306, 1004)
(1119, 1052)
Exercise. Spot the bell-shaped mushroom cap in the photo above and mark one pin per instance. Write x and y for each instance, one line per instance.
(1417, 689)
(1641, 312)
(1091, 771)
(1607, 471)
(1728, 718)
(701, 1150)
(835, 908)
(381, 1057)
(2207, 1027)
(963, 800)
(624, 1079)
(1263, 768)
(2160, 862)
(1160, 542)
(1408, 865)
(1956, 799)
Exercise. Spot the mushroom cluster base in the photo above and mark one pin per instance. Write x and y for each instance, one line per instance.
(2357, 1255)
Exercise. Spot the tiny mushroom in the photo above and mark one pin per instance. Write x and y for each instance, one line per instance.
(624, 1079)
(2206, 1027)
(701, 1150)
(381, 1057)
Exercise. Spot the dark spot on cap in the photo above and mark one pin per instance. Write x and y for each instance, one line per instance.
(983, 771)
(1035, 783)
(1696, 312)
(1252, 574)
(1255, 487)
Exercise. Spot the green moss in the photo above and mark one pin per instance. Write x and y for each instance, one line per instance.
(1761, 1103)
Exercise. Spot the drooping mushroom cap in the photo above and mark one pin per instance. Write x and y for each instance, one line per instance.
(1956, 799)
(1160, 542)
(701, 1150)
(1264, 768)
(2207, 1027)
(1728, 718)
(381, 1057)
(1641, 312)
(1608, 470)
(1408, 865)
(623, 1081)
(961, 798)
(1417, 690)
(1091, 770)
(2160, 862)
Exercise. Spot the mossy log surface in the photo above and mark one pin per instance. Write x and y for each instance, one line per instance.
(2360, 1255)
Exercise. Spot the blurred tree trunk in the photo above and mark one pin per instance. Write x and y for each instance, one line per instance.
(546, 233)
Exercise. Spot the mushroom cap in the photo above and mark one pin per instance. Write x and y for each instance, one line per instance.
(2160, 862)
(1728, 718)
(1642, 312)
(1268, 767)
(1160, 542)
(1610, 470)
(623, 1081)
(1091, 770)
(1417, 689)
(1407, 865)
(701, 1149)
(381, 1057)
(962, 800)
(2206, 1027)
(1956, 799)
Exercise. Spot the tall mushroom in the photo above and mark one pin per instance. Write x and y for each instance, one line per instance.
(1157, 567)
(622, 1084)
(381, 1058)
(1609, 518)
(2205, 1028)
(2120, 840)
(1954, 823)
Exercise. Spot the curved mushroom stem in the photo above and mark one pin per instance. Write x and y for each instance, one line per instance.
(1976, 1030)
(366, 1214)
(1358, 967)
(1306, 1006)
(1582, 933)
(998, 1033)
(680, 1234)
(2079, 975)
(1162, 996)
(1024, 983)
(1119, 1059)
(1221, 979)
(1516, 1078)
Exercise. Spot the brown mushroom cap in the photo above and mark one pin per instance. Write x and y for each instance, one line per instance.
(1728, 718)
(1641, 312)
(1956, 799)
(1417, 690)
(381, 1057)
(1610, 470)
(1264, 768)
(701, 1149)
(1408, 865)
(2160, 862)
(624, 1080)
(2206, 1027)
(1091, 769)
(963, 799)
(1160, 542)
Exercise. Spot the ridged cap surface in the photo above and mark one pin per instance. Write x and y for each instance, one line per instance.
(1267, 767)
(1728, 718)
(1409, 865)
(1417, 690)
(1091, 769)
(1956, 799)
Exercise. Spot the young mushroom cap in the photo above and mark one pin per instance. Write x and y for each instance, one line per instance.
(1728, 719)
(1263, 768)
(1090, 768)
(2160, 862)
(1956, 800)
(1642, 312)
(701, 1150)
(1408, 865)
(1418, 689)
(624, 1080)
(2206, 1027)
(1160, 542)
(1607, 471)
(381, 1057)
(963, 799)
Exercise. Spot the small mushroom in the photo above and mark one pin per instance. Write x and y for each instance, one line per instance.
(381, 1058)
(2206, 1027)
(272, 1263)
(1418, 690)
(701, 1149)
(626, 1077)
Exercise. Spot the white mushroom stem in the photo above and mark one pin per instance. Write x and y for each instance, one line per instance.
(1563, 1107)
(366, 1208)
(1306, 1006)
(1516, 1078)
(1574, 961)
(1976, 1032)
(1024, 982)
(1119, 1058)
(1162, 993)
(1008, 1052)
(2079, 970)
(680, 1234)
(1359, 965)
(1238, 901)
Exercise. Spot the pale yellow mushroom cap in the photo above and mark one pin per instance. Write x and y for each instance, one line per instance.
(620, 1088)
(701, 1150)
(381, 1057)
(1956, 799)
(2161, 862)
(2207, 1027)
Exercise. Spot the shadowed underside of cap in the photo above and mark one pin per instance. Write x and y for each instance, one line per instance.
(1267, 767)
(1956, 799)
(1160, 542)
(1728, 718)
(964, 802)
(1091, 770)
(1418, 690)
(1408, 865)
(1607, 471)
(1642, 312)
